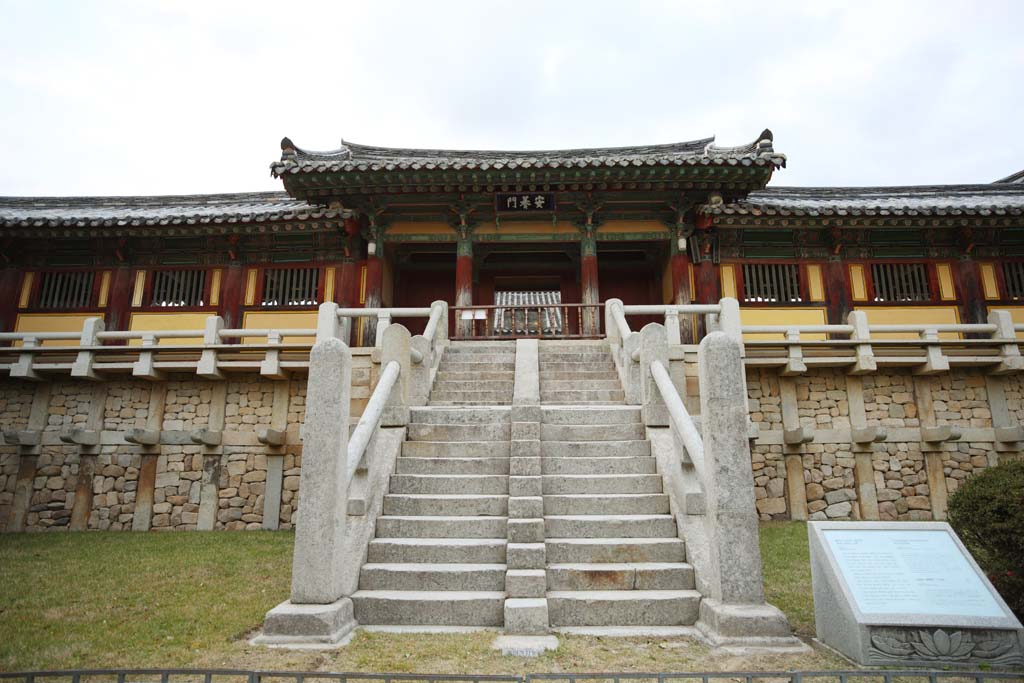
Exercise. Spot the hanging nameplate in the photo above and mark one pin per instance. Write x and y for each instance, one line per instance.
(524, 202)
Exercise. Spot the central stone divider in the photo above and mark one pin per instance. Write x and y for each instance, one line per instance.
(526, 607)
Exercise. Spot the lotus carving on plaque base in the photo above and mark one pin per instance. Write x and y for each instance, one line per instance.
(943, 645)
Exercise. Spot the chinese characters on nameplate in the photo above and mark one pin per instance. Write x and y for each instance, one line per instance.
(524, 202)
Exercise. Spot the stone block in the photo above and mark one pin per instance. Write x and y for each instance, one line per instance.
(526, 530)
(526, 583)
(526, 507)
(526, 615)
(524, 486)
(525, 556)
(524, 467)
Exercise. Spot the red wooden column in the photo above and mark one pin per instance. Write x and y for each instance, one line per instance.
(680, 265)
(968, 284)
(463, 279)
(10, 279)
(374, 281)
(590, 295)
(837, 292)
(119, 307)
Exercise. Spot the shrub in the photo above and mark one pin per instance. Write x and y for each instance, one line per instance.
(987, 512)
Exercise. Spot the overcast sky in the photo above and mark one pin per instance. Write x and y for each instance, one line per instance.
(168, 97)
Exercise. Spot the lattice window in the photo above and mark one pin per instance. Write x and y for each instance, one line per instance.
(771, 282)
(519, 312)
(1013, 276)
(290, 287)
(901, 282)
(66, 290)
(178, 288)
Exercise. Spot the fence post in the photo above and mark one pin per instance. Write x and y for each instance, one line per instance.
(672, 326)
(865, 355)
(729, 321)
(1009, 354)
(145, 366)
(82, 367)
(734, 609)
(441, 333)
(611, 330)
(383, 322)
(207, 366)
(327, 324)
(318, 611)
(396, 345)
(653, 347)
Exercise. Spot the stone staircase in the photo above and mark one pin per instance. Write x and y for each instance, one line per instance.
(578, 373)
(614, 557)
(612, 552)
(475, 373)
(438, 558)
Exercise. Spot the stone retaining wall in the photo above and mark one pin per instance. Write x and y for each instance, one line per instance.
(245, 484)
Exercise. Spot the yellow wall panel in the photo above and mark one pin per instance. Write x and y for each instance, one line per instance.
(250, 287)
(279, 320)
(53, 322)
(26, 290)
(148, 322)
(362, 285)
(988, 281)
(727, 273)
(783, 316)
(139, 289)
(104, 289)
(815, 283)
(911, 315)
(215, 287)
(947, 291)
(858, 287)
(621, 226)
(329, 284)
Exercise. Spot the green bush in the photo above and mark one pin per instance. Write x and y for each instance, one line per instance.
(987, 512)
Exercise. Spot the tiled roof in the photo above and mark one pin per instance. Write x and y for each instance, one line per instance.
(1017, 177)
(251, 207)
(352, 157)
(936, 200)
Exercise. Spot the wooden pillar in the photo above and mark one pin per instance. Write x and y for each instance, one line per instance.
(837, 294)
(680, 267)
(969, 295)
(347, 292)
(10, 278)
(374, 282)
(591, 296)
(463, 280)
(232, 295)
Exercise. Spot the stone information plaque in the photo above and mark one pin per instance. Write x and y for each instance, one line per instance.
(907, 593)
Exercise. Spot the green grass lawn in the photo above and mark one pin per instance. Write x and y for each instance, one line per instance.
(108, 600)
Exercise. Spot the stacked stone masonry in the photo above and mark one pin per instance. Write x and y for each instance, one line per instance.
(898, 466)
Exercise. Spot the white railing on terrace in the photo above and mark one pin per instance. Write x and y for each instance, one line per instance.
(208, 352)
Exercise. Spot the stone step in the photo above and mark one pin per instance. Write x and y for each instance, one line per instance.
(605, 504)
(475, 397)
(580, 384)
(430, 608)
(451, 484)
(593, 432)
(579, 465)
(437, 577)
(576, 397)
(591, 550)
(588, 375)
(445, 506)
(610, 526)
(576, 357)
(623, 608)
(443, 527)
(547, 366)
(619, 576)
(458, 449)
(480, 402)
(445, 383)
(407, 465)
(601, 415)
(481, 346)
(451, 416)
(481, 359)
(589, 345)
(478, 375)
(483, 431)
(436, 550)
(594, 449)
(589, 483)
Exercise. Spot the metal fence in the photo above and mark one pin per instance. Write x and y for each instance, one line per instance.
(243, 676)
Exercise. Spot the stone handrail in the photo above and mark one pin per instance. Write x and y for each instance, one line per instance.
(371, 417)
(681, 421)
